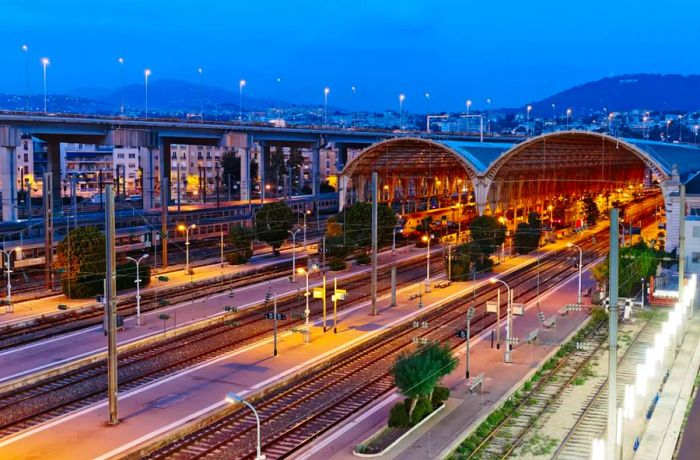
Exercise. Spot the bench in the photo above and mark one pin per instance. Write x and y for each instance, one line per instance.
(476, 382)
(551, 322)
(564, 311)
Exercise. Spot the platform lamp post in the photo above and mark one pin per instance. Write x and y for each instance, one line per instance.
(187, 229)
(45, 63)
(509, 321)
(138, 287)
(426, 239)
(580, 271)
(234, 398)
(294, 252)
(306, 213)
(8, 260)
(241, 85)
(146, 74)
(307, 311)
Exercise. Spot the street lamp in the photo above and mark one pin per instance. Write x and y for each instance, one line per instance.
(680, 128)
(25, 50)
(580, 270)
(187, 229)
(353, 88)
(426, 239)
(138, 287)
(326, 90)
(306, 213)
(45, 63)
(121, 79)
(241, 84)
(402, 97)
(509, 321)
(8, 257)
(307, 311)
(146, 74)
(234, 398)
(427, 106)
(568, 117)
(529, 109)
(200, 71)
(294, 251)
(469, 105)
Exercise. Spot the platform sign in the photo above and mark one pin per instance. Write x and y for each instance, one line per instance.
(318, 293)
(461, 334)
(340, 294)
(280, 316)
(491, 306)
(518, 309)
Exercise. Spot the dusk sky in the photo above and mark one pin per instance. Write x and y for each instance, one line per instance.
(511, 51)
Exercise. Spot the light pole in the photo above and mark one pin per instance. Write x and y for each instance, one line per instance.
(426, 239)
(307, 311)
(241, 84)
(306, 213)
(234, 398)
(568, 117)
(138, 287)
(470, 315)
(121, 80)
(469, 105)
(200, 71)
(25, 50)
(529, 109)
(187, 229)
(580, 270)
(8, 257)
(45, 63)
(294, 251)
(509, 322)
(427, 107)
(326, 90)
(610, 119)
(353, 88)
(680, 128)
(402, 97)
(146, 74)
(488, 114)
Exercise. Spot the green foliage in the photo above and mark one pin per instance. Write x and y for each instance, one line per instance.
(591, 211)
(230, 164)
(333, 228)
(636, 262)
(398, 417)
(325, 187)
(422, 409)
(599, 315)
(335, 247)
(272, 224)
(440, 395)
(467, 258)
(336, 264)
(126, 275)
(295, 161)
(487, 234)
(239, 245)
(363, 259)
(358, 222)
(81, 256)
(527, 235)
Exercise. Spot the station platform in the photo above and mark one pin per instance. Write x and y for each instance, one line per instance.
(157, 408)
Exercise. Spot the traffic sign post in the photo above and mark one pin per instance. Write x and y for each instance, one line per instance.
(338, 294)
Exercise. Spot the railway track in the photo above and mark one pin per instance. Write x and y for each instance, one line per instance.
(49, 326)
(591, 419)
(296, 413)
(43, 401)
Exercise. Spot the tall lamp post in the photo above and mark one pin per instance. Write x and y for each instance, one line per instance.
(294, 251)
(580, 271)
(138, 287)
(509, 321)
(187, 229)
(45, 63)
(234, 398)
(25, 50)
(426, 239)
(326, 90)
(568, 117)
(121, 80)
(8, 260)
(241, 84)
(146, 74)
(402, 97)
(529, 109)
(307, 311)
(200, 71)
(306, 213)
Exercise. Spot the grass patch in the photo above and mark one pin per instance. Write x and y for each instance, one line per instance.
(540, 445)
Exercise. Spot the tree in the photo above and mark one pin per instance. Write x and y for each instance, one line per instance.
(591, 211)
(637, 262)
(81, 259)
(333, 228)
(358, 222)
(527, 235)
(295, 163)
(277, 167)
(416, 374)
(126, 275)
(272, 223)
(487, 234)
(240, 245)
(326, 187)
(231, 164)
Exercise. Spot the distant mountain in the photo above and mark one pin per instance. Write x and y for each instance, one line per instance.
(627, 92)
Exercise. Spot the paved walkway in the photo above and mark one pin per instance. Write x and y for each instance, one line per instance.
(152, 410)
(439, 436)
(24, 360)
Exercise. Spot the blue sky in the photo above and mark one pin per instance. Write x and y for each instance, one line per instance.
(509, 51)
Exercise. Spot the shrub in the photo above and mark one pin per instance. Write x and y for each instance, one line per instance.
(423, 409)
(126, 276)
(598, 315)
(235, 258)
(440, 395)
(363, 259)
(398, 417)
(337, 264)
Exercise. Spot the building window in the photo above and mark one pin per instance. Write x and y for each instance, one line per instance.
(25, 145)
(26, 157)
(696, 231)
(120, 155)
(696, 257)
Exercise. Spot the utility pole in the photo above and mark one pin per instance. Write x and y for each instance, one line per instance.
(681, 245)
(375, 207)
(48, 230)
(111, 308)
(164, 194)
(612, 334)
